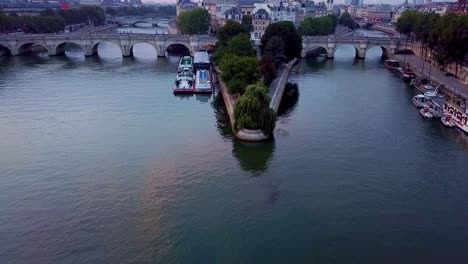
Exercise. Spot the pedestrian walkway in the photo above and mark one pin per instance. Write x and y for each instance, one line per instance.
(452, 83)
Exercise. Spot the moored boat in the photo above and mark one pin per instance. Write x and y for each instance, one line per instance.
(392, 65)
(203, 82)
(426, 113)
(420, 101)
(184, 82)
(423, 84)
(459, 117)
(405, 74)
(185, 63)
(447, 120)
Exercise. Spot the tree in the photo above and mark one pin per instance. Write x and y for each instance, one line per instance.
(288, 33)
(268, 69)
(275, 48)
(247, 22)
(111, 11)
(252, 110)
(406, 23)
(320, 26)
(240, 45)
(228, 31)
(192, 22)
(347, 20)
(240, 70)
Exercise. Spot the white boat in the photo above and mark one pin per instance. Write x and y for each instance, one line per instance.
(459, 117)
(203, 82)
(426, 113)
(447, 120)
(185, 63)
(429, 98)
(184, 82)
(420, 101)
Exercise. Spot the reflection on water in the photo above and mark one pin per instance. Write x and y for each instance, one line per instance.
(254, 157)
(289, 100)
(101, 163)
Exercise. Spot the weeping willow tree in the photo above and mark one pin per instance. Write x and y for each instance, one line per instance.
(252, 110)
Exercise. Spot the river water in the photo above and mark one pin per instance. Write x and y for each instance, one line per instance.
(101, 163)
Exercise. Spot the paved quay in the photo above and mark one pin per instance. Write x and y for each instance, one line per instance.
(452, 83)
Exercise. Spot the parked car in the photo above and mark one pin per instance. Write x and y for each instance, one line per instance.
(448, 74)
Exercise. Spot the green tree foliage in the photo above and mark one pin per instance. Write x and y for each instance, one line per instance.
(268, 69)
(288, 33)
(51, 21)
(253, 111)
(247, 22)
(320, 26)
(240, 45)
(195, 21)
(275, 49)
(347, 21)
(240, 70)
(407, 22)
(160, 11)
(445, 37)
(228, 31)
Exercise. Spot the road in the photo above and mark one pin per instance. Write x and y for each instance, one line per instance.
(451, 82)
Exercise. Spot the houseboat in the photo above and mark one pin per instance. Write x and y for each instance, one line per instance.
(459, 117)
(392, 65)
(184, 82)
(423, 84)
(405, 74)
(203, 82)
(201, 61)
(185, 63)
(422, 100)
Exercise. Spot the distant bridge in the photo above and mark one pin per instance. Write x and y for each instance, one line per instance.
(361, 45)
(55, 44)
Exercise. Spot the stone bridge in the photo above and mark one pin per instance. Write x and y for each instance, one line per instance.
(361, 45)
(55, 44)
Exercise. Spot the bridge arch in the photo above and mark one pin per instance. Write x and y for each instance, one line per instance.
(385, 51)
(315, 50)
(27, 47)
(179, 48)
(94, 49)
(211, 48)
(61, 47)
(146, 47)
(346, 49)
(4, 49)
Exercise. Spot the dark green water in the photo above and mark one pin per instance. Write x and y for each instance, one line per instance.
(100, 163)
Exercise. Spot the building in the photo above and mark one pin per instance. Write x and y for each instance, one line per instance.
(283, 13)
(27, 9)
(461, 7)
(378, 13)
(261, 18)
(247, 6)
(90, 2)
(185, 5)
(234, 14)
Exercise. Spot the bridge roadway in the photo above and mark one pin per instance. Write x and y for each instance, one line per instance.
(17, 44)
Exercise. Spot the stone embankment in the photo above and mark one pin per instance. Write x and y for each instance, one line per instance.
(276, 93)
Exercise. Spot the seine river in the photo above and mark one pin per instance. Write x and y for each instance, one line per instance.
(101, 163)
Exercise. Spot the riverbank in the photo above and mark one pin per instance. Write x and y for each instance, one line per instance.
(451, 85)
(229, 101)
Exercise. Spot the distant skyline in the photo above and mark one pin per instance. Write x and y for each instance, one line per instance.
(392, 2)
